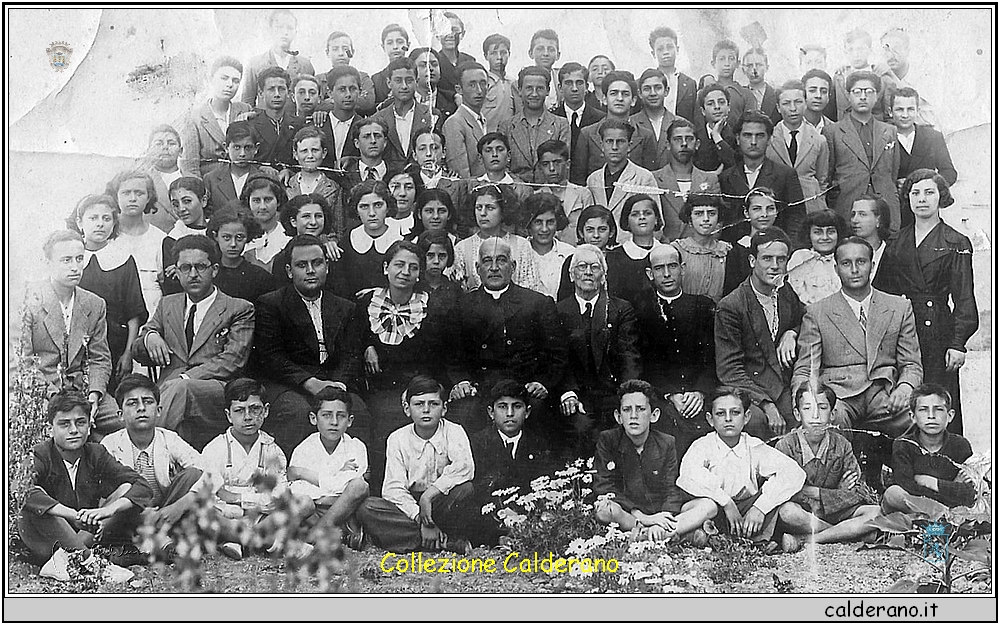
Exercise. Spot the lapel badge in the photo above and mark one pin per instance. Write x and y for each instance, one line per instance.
(59, 53)
(611, 466)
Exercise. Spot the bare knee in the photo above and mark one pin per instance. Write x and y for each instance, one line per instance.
(607, 511)
(356, 489)
(791, 512)
(703, 507)
(894, 498)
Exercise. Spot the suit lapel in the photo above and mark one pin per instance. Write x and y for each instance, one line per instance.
(780, 148)
(759, 325)
(878, 323)
(599, 329)
(53, 322)
(210, 125)
(618, 196)
(879, 141)
(842, 317)
(173, 321)
(211, 322)
(852, 139)
(78, 324)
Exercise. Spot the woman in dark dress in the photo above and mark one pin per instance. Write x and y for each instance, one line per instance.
(627, 263)
(929, 262)
(400, 339)
(231, 227)
(111, 272)
(360, 266)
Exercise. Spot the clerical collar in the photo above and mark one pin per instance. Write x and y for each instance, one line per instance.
(496, 295)
(669, 300)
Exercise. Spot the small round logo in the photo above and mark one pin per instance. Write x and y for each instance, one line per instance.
(59, 54)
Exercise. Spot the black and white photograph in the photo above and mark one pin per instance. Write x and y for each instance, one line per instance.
(502, 301)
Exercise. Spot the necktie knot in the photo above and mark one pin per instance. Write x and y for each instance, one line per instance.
(575, 120)
(370, 173)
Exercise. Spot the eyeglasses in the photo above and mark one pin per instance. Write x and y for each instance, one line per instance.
(860, 92)
(199, 267)
(255, 410)
(585, 267)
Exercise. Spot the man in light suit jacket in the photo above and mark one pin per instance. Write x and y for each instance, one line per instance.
(864, 155)
(811, 158)
(678, 170)
(77, 357)
(203, 134)
(862, 343)
(754, 347)
(753, 134)
(654, 117)
(464, 128)
(618, 170)
(402, 106)
(281, 25)
(588, 154)
(201, 339)
(532, 125)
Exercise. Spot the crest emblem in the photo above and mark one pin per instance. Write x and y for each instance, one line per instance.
(59, 53)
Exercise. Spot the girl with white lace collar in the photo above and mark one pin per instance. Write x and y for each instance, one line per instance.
(812, 272)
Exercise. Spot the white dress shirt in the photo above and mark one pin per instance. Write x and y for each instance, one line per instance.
(239, 181)
(201, 310)
(67, 311)
(403, 125)
(341, 130)
(507, 440)
(670, 98)
(857, 306)
(380, 170)
(906, 140)
(752, 175)
(315, 309)
(333, 478)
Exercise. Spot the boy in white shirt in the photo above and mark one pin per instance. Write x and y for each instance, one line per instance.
(330, 467)
(427, 494)
(745, 478)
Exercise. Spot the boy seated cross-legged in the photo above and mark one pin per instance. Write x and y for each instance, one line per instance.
(238, 459)
(831, 506)
(81, 495)
(638, 466)
(331, 467)
(744, 478)
(427, 493)
(927, 459)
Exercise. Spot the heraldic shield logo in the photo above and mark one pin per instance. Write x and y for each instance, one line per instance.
(59, 53)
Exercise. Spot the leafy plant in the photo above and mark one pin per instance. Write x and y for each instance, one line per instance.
(26, 427)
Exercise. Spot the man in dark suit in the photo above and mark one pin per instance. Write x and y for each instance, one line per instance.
(755, 68)
(654, 117)
(201, 339)
(273, 124)
(369, 138)
(344, 85)
(306, 341)
(716, 141)
(756, 327)
(395, 44)
(506, 331)
(603, 348)
(921, 147)
(573, 89)
(682, 90)
(403, 114)
(753, 134)
(442, 104)
(677, 346)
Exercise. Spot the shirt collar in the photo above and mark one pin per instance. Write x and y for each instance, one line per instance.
(510, 439)
(633, 251)
(204, 304)
(583, 303)
(361, 241)
(858, 305)
(436, 441)
(741, 450)
(569, 112)
(773, 295)
(507, 179)
(496, 295)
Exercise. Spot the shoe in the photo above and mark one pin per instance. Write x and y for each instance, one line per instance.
(168, 553)
(233, 551)
(57, 566)
(461, 546)
(126, 555)
(304, 551)
(790, 544)
(354, 535)
(698, 538)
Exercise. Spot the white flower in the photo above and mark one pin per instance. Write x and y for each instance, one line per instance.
(490, 507)
(568, 504)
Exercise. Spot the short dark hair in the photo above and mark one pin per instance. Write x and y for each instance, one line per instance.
(429, 195)
(620, 76)
(853, 240)
(339, 72)
(491, 137)
(542, 202)
(416, 52)
(754, 117)
(926, 390)
(402, 62)
(57, 237)
(133, 381)
(403, 245)
(816, 389)
(303, 240)
(198, 242)
(703, 94)
(377, 187)
(822, 219)
(355, 132)
(817, 73)
(501, 193)
(881, 209)
(273, 72)
(652, 73)
(468, 66)
(545, 33)
(771, 234)
(436, 237)
(677, 124)
(918, 175)
(241, 130)
(630, 204)
(791, 85)
(190, 183)
(903, 92)
(611, 123)
(261, 181)
(660, 33)
(233, 213)
(725, 44)
(729, 391)
(303, 78)
(225, 61)
(393, 28)
(241, 389)
(66, 401)
(596, 211)
(290, 210)
(552, 146)
(699, 199)
(134, 174)
(533, 70)
(601, 56)
(330, 393)
(569, 68)
(506, 388)
(422, 385)
(496, 39)
(854, 77)
(425, 130)
(637, 386)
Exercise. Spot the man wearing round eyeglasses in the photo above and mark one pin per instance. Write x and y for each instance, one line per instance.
(200, 339)
(603, 349)
(864, 152)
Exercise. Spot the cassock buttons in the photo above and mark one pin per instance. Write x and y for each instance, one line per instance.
(510, 342)
(927, 322)
(930, 304)
(484, 346)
